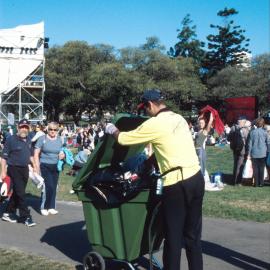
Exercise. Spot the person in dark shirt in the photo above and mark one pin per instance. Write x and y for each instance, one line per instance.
(17, 155)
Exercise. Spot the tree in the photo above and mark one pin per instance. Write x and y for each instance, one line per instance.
(177, 77)
(67, 71)
(229, 46)
(152, 43)
(188, 45)
(261, 80)
(231, 82)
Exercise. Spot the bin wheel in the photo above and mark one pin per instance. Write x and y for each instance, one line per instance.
(93, 261)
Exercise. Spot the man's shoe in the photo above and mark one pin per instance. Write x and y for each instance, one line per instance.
(44, 212)
(52, 211)
(9, 218)
(29, 222)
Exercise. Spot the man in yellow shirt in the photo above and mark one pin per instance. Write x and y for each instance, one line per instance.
(183, 190)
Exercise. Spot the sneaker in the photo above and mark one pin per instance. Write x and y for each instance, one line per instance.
(9, 218)
(52, 211)
(44, 212)
(29, 222)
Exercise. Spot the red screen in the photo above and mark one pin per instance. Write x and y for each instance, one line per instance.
(240, 106)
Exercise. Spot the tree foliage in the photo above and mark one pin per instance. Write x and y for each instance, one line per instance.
(229, 46)
(92, 79)
(188, 45)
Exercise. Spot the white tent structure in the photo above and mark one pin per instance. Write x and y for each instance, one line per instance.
(22, 73)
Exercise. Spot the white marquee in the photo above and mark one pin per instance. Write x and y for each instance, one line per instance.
(21, 53)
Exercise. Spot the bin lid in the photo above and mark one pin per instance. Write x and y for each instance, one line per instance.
(108, 152)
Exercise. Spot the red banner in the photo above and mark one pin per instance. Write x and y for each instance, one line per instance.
(240, 106)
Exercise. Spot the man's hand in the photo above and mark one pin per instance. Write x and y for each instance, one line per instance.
(3, 190)
(3, 175)
(110, 129)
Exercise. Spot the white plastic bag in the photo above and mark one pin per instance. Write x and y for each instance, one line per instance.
(248, 170)
(36, 178)
(266, 176)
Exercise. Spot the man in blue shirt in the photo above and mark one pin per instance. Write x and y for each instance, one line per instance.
(17, 155)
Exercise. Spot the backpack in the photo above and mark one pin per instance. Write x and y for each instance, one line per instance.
(236, 140)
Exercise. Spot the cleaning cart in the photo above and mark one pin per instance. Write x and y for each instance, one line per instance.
(120, 231)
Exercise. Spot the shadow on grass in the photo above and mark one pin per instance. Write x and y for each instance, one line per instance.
(233, 257)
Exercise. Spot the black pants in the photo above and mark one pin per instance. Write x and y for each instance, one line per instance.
(19, 178)
(182, 212)
(238, 166)
(258, 165)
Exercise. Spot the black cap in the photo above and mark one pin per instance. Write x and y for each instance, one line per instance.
(150, 95)
(242, 117)
(24, 123)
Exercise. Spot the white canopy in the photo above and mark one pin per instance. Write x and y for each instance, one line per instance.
(21, 52)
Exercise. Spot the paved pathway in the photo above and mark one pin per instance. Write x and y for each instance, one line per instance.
(227, 244)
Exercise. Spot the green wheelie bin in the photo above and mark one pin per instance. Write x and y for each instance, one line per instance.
(122, 232)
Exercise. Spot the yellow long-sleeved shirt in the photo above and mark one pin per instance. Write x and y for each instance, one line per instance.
(172, 143)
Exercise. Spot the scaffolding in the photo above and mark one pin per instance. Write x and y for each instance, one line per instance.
(26, 99)
(22, 64)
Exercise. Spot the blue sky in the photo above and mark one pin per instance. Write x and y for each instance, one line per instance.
(123, 23)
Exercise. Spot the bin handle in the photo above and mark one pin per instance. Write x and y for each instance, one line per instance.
(150, 239)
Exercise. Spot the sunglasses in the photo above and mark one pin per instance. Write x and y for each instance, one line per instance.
(27, 127)
(53, 129)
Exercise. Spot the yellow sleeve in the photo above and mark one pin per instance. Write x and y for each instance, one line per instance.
(144, 133)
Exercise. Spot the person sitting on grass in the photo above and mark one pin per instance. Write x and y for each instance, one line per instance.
(80, 159)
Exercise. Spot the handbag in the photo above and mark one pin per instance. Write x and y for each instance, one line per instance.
(248, 170)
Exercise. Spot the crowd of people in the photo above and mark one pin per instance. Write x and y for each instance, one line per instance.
(250, 142)
(247, 140)
(44, 147)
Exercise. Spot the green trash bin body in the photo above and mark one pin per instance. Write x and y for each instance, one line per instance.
(118, 232)
(122, 232)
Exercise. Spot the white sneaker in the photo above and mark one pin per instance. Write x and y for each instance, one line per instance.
(9, 217)
(52, 211)
(44, 212)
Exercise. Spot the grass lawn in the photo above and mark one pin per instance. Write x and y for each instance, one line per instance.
(12, 259)
(241, 203)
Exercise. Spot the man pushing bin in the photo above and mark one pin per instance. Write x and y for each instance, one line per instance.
(183, 189)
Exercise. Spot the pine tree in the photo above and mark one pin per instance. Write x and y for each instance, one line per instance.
(229, 46)
(188, 45)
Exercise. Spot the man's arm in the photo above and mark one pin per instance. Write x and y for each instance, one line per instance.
(3, 168)
(35, 160)
(209, 125)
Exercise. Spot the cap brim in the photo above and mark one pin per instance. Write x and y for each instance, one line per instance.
(141, 106)
(24, 125)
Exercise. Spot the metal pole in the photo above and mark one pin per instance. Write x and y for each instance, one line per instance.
(43, 89)
(20, 102)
